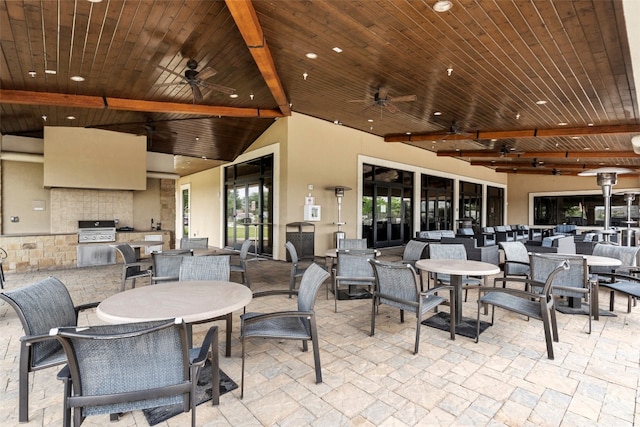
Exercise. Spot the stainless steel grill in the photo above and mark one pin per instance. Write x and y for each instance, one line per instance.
(96, 231)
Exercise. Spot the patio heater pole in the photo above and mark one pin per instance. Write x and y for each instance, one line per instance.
(606, 178)
(339, 192)
(629, 198)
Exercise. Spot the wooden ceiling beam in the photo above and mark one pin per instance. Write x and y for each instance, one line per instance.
(246, 19)
(514, 134)
(536, 171)
(107, 103)
(505, 164)
(547, 171)
(540, 154)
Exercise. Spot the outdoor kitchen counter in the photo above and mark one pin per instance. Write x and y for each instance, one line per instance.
(28, 252)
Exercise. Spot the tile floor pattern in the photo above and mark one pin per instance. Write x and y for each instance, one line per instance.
(506, 379)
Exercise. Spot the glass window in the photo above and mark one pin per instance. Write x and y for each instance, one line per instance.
(584, 210)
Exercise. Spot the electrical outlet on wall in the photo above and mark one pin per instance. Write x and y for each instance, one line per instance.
(15, 219)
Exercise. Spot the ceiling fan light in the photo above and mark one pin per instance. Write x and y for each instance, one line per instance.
(635, 143)
(442, 6)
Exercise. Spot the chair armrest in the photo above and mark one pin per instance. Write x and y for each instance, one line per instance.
(516, 292)
(277, 315)
(356, 279)
(87, 306)
(571, 289)
(435, 289)
(517, 262)
(274, 292)
(31, 339)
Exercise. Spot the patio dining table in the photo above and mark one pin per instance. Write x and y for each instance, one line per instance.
(457, 268)
(194, 301)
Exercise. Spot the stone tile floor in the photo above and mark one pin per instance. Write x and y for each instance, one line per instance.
(505, 379)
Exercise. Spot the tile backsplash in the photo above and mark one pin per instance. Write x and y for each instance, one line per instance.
(68, 206)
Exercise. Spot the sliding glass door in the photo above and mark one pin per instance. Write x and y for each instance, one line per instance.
(249, 205)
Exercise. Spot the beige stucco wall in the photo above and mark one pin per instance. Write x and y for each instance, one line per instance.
(311, 151)
(520, 187)
(22, 185)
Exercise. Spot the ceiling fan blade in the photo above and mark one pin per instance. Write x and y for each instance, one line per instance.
(197, 95)
(405, 98)
(218, 88)
(358, 100)
(172, 72)
(391, 108)
(170, 84)
(382, 93)
(207, 73)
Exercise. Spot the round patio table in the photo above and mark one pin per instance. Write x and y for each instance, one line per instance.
(457, 268)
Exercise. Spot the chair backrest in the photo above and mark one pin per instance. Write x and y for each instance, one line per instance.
(293, 253)
(244, 249)
(354, 263)
(628, 255)
(515, 251)
(466, 231)
(548, 267)
(414, 250)
(167, 265)
(41, 306)
(398, 281)
(352, 244)
(309, 286)
(194, 242)
(205, 268)
(577, 275)
(127, 252)
(127, 358)
(440, 251)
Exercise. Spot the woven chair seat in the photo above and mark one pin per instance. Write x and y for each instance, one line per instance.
(289, 327)
(623, 286)
(513, 303)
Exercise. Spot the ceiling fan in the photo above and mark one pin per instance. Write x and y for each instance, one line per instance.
(197, 80)
(148, 128)
(381, 98)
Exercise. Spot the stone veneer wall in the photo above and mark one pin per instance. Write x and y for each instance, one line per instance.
(45, 252)
(70, 205)
(168, 207)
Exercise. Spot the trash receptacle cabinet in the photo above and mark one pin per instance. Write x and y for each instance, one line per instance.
(302, 235)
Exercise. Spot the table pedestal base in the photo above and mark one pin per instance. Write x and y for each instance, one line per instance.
(566, 308)
(466, 327)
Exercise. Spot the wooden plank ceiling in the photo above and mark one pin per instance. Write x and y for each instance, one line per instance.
(518, 86)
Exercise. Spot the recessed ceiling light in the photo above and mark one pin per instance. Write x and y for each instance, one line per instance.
(233, 95)
(442, 6)
(50, 72)
(576, 137)
(71, 117)
(94, 1)
(370, 120)
(541, 102)
(408, 133)
(311, 55)
(77, 78)
(437, 113)
(563, 124)
(590, 124)
(586, 148)
(337, 49)
(493, 140)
